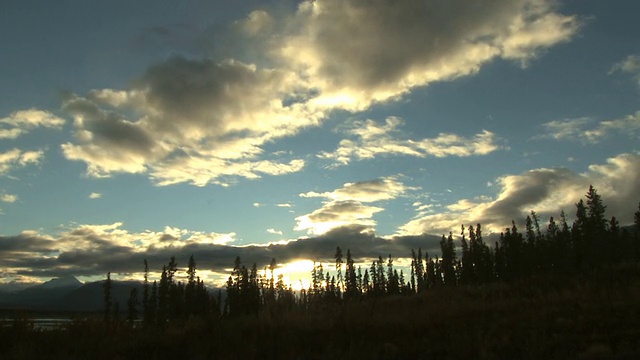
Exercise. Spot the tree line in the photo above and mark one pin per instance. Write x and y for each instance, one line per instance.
(556, 249)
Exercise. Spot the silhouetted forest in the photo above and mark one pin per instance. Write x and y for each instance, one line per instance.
(552, 290)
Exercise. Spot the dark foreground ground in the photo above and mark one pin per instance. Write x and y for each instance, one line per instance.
(597, 316)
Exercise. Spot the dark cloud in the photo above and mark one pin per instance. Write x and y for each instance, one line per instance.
(35, 256)
(384, 48)
(25, 242)
(195, 121)
(527, 190)
(109, 129)
(197, 91)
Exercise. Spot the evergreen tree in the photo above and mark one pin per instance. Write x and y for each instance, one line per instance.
(636, 236)
(500, 261)
(132, 306)
(373, 276)
(615, 241)
(153, 303)
(339, 262)
(418, 273)
(554, 245)
(108, 302)
(466, 271)
(270, 296)
(431, 273)
(163, 297)
(146, 309)
(190, 290)
(578, 234)
(596, 227)
(393, 285)
(366, 283)
(448, 251)
(381, 288)
(351, 279)
(116, 312)
(596, 219)
(483, 257)
(566, 253)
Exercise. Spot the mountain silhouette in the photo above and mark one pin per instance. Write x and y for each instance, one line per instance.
(90, 296)
(68, 294)
(39, 296)
(62, 282)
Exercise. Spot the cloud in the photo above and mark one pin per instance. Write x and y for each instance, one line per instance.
(344, 206)
(23, 121)
(547, 191)
(584, 129)
(386, 188)
(94, 250)
(373, 139)
(336, 214)
(95, 195)
(8, 198)
(630, 65)
(274, 231)
(565, 129)
(197, 121)
(357, 53)
(205, 120)
(16, 158)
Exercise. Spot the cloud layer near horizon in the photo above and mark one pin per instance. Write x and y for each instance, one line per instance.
(94, 250)
(547, 191)
(344, 219)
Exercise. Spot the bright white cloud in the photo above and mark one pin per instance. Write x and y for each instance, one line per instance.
(12, 160)
(336, 214)
(257, 23)
(95, 195)
(344, 206)
(546, 191)
(87, 237)
(360, 52)
(373, 139)
(8, 198)
(206, 121)
(17, 158)
(201, 122)
(23, 121)
(274, 231)
(366, 191)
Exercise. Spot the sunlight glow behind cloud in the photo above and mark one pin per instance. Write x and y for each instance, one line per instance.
(203, 121)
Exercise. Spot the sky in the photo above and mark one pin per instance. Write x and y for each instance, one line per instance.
(259, 129)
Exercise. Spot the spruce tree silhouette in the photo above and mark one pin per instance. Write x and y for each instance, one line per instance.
(108, 302)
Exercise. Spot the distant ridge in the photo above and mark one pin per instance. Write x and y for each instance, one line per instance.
(90, 296)
(67, 293)
(62, 282)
